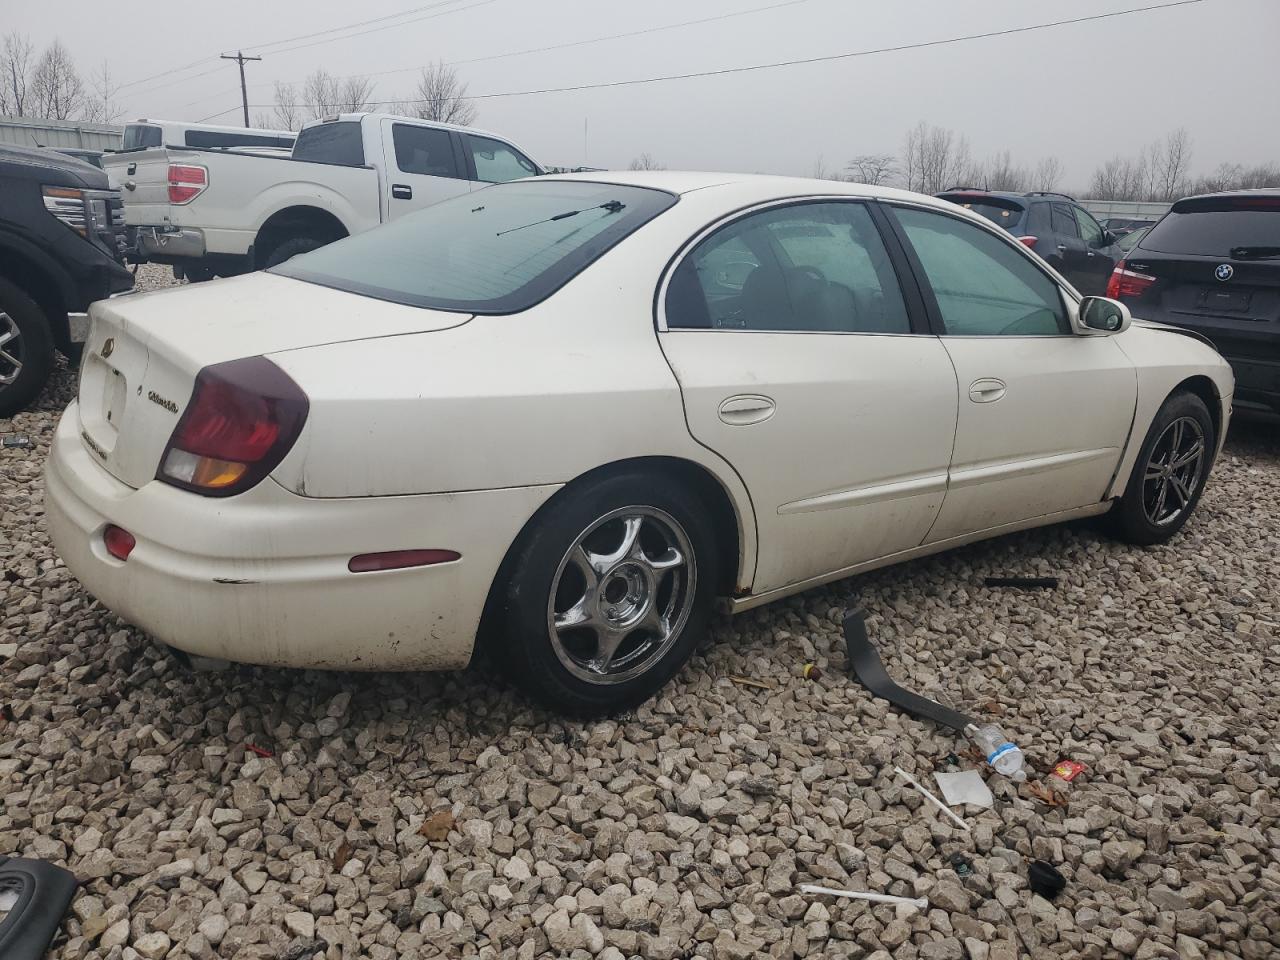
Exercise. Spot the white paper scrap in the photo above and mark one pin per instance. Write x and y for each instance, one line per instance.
(967, 786)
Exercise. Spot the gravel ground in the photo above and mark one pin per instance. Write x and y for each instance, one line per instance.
(440, 815)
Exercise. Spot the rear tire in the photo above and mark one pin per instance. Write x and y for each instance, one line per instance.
(26, 349)
(608, 593)
(291, 248)
(1169, 475)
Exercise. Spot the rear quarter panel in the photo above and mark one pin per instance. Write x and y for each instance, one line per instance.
(1164, 359)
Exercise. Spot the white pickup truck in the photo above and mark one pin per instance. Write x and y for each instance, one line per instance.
(219, 212)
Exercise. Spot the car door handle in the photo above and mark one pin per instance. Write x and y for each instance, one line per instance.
(402, 191)
(1062, 248)
(746, 409)
(987, 390)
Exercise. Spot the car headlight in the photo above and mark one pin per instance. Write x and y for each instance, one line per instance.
(68, 205)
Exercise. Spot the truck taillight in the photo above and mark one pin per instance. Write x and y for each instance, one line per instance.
(186, 182)
(1029, 242)
(243, 417)
(1127, 283)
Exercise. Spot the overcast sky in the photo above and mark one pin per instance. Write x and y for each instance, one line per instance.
(1083, 92)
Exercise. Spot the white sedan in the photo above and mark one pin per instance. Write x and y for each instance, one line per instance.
(567, 414)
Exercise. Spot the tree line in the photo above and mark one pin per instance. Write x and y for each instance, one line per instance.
(46, 84)
(441, 95)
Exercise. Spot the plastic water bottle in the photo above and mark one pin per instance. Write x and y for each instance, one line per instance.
(1001, 752)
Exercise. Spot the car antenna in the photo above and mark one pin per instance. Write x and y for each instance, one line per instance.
(612, 206)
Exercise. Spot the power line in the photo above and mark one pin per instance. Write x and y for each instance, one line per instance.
(360, 23)
(240, 58)
(351, 36)
(557, 46)
(1010, 31)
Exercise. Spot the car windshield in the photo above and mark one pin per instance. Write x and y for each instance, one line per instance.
(1002, 212)
(498, 250)
(1214, 227)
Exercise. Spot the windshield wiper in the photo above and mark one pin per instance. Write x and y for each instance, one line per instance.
(1254, 253)
(612, 206)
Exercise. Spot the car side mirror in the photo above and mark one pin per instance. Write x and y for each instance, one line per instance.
(1099, 315)
(1108, 238)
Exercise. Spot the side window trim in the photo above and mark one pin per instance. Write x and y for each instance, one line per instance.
(462, 156)
(926, 289)
(912, 294)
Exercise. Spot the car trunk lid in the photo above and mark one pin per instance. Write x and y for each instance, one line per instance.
(144, 351)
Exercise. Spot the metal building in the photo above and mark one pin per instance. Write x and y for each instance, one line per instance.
(37, 132)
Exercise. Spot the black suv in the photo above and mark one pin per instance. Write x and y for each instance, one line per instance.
(1054, 226)
(61, 248)
(1212, 264)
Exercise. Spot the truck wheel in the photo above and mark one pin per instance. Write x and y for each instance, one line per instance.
(291, 248)
(26, 349)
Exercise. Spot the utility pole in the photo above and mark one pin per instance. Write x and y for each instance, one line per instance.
(240, 58)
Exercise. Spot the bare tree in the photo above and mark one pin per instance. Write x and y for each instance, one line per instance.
(1047, 175)
(101, 105)
(1172, 157)
(874, 169)
(646, 162)
(1000, 173)
(15, 75)
(324, 94)
(286, 114)
(820, 171)
(57, 89)
(442, 96)
(935, 158)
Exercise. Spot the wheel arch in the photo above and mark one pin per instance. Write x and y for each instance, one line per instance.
(1204, 388)
(727, 518)
(298, 220)
(32, 273)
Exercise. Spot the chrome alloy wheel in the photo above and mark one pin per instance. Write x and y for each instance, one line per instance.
(10, 350)
(621, 595)
(1174, 471)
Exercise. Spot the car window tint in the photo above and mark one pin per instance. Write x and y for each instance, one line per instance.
(497, 162)
(424, 150)
(983, 285)
(818, 267)
(338, 142)
(1063, 221)
(1089, 229)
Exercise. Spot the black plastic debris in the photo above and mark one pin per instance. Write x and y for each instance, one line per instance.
(1023, 583)
(41, 893)
(961, 865)
(865, 663)
(1045, 879)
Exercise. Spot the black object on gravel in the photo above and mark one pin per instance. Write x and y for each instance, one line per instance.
(44, 892)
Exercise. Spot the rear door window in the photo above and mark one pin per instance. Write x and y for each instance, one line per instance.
(1089, 229)
(1223, 227)
(424, 150)
(498, 162)
(340, 143)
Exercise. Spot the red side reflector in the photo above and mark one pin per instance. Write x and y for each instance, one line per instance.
(399, 559)
(1028, 241)
(119, 542)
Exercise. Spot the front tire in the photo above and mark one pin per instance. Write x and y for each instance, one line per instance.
(1169, 474)
(26, 349)
(609, 591)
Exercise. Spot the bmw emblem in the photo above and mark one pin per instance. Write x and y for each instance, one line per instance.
(1224, 272)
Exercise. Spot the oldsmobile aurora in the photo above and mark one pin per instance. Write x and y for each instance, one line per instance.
(567, 414)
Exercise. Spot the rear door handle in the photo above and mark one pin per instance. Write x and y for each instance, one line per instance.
(402, 191)
(1062, 248)
(987, 390)
(746, 409)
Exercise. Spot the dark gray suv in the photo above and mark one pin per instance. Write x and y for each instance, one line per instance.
(1054, 226)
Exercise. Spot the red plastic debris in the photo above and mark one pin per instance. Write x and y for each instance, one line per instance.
(260, 751)
(1068, 770)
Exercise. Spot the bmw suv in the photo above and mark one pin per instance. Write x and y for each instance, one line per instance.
(1054, 226)
(1212, 264)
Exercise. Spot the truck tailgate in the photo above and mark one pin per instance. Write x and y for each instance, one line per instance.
(143, 178)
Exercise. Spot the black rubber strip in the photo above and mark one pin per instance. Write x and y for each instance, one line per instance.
(865, 663)
(1030, 583)
(44, 893)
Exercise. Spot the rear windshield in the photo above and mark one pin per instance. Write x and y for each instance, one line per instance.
(1005, 213)
(215, 138)
(1212, 228)
(340, 143)
(140, 136)
(498, 250)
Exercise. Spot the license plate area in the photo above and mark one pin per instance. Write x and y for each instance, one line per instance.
(1225, 301)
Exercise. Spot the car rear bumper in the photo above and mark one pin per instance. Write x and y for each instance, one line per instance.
(262, 577)
(167, 242)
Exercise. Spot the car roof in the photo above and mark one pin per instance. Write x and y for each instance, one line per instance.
(765, 186)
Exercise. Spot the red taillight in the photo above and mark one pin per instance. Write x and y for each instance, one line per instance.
(1028, 241)
(1126, 283)
(186, 182)
(399, 559)
(242, 418)
(119, 542)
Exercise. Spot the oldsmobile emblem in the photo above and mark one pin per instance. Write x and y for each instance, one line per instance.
(167, 404)
(108, 347)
